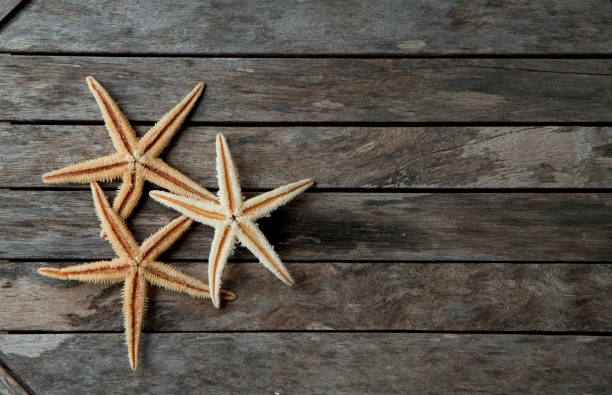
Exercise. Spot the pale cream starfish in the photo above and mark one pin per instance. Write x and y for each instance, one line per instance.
(136, 160)
(135, 266)
(234, 218)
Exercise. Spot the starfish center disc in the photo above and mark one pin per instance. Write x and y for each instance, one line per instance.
(135, 160)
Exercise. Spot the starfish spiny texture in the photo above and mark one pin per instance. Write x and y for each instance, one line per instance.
(234, 218)
(136, 160)
(135, 266)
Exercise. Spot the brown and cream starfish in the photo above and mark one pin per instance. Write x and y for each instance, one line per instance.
(136, 160)
(135, 266)
(234, 218)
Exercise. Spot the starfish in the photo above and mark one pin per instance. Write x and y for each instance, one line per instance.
(136, 160)
(135, 266)
(234, 218)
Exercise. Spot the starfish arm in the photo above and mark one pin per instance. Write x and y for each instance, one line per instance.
(129, 194)
(252, 238)
(158, 137)
(121, 132)
(202, 211)
(264, 204)
(165, 276)
(227, 176)
(220, 250)
(161, 240)
(134, 307)
(158, 172)
(105, 168)
(95, 272)
(113, 226)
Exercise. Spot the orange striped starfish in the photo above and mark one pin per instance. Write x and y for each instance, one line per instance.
(135, 266)
(234, 218)
(136, 160)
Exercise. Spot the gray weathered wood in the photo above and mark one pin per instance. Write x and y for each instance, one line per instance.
(332, 296)
(306, 90)
(341, 157)
(313, 27)
(344, 226)
(333, 242)
(8, 384)
(350, 363)
(6, 6)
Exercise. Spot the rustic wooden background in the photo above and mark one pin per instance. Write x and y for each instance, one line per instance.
(457, 240)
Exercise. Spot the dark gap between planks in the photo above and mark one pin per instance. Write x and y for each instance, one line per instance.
(370, 55)
(356, 190)
(37, 260)
(330, 261)
(328, 331)
(323, 124)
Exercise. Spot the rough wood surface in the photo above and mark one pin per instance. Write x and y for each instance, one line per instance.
(313, 363)
(6, 7)
(331, 296)
(341, 157)
(366, 254)
(342, 226)
(313, 27)
(313, 90)
(9, 384)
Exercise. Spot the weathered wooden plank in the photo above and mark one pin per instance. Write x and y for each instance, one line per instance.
(307, 90)
(9, 384)
(313, 27)
(313, 363)
(342, 157)
(333, 296)
(344, 226)
(6, 7)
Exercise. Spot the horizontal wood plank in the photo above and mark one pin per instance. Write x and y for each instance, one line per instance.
(331, 296)
(341, 157)
(312, 27)
(340, 226)
(312, 363)
(38, 88)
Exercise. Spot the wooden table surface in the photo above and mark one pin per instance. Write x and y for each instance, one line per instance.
(457, 238)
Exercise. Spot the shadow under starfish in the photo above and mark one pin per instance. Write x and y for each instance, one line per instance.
(234, 218)
(135, 266)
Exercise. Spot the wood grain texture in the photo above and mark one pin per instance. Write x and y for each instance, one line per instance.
(387, 261)
(312, 27)
(313, 363)
(341, 157)
(340, 226)
(9, 384)
(6, 7)
(313, 90)
(331, 296)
